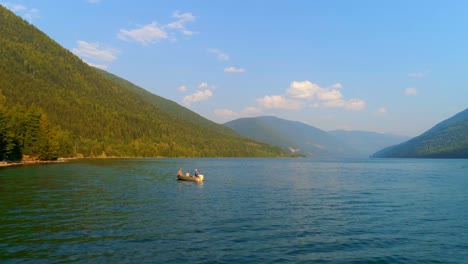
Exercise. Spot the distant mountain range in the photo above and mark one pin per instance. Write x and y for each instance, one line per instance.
(365, 143)
(94, 113)
(447, 139)
(300, 138)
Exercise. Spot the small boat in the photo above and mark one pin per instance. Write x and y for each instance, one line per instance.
(190, 178)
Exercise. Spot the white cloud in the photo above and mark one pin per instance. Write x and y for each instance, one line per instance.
(182, 88)
(337, 86)
(249, 111)
(226, 113)
(229, 114)
(316, 96)
(197, 96)
(418, 74)
(355, 104)
(14, 7)
(28, 14)
(221, 54)
(32, 14)
(309, 90)
(303, 90)
(381, 110)
(329, 95)
(145, 35)
(202, 85)
(100, 66)
(180, 23)
(280, 102)
(352, 104)
(153, 32)
(95, 51)
(234, 70)
(411, 91)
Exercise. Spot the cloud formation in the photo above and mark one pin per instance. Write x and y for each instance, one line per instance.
(226, 113)
(96, 52)
(220, 54)
(300, 92)
(234, 70)
(97, 65)
(280, 102)
(229, 114)
(145, 35)
(418, 74)
(381, 111)
(411, 91)
(299, 95)
(182, 88)
(197, 96)
(28, 14)
(153, 32)
(202, 85)
(179, 24)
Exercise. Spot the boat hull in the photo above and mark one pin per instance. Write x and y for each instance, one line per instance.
(190, 178)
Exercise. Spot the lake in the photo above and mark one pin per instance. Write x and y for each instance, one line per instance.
(246, 211)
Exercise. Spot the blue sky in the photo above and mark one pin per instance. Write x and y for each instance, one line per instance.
(385, 66)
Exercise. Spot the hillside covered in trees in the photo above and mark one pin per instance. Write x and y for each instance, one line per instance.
(448, 139)
(302, 139)
(51, 98)
(292, 136)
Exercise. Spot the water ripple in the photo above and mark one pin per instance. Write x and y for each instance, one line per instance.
(272, 211)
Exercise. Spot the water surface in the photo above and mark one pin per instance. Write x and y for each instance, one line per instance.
(246, 211)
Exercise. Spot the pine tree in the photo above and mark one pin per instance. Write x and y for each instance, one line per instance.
(3, 135)
(32, 135)
(3, 128)
(47, 146)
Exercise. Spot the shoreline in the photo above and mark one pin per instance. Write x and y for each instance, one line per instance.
(4, 164)
(32, 162)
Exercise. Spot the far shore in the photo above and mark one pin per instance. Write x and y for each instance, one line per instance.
(60, 160)
(31, 162)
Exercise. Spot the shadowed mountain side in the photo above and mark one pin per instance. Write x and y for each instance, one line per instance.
(291, 136)
(366, 143)
(300, 138)
(447, 139)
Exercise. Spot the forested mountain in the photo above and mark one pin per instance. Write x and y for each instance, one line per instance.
(294, 136)
(448, 139)
(87, 114)
(310, 141)
(169, 106)
(366, 143)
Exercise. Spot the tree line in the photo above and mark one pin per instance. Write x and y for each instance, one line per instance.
(28, 132)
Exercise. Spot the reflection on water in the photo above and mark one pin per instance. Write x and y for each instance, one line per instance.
(247, 210)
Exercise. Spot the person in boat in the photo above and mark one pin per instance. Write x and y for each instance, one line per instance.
(180, 172)
(196, 173)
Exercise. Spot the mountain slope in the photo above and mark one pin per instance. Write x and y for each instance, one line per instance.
(97, 114)
(168, 106)
(366, 143)
(448, 139)
(291, 135)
